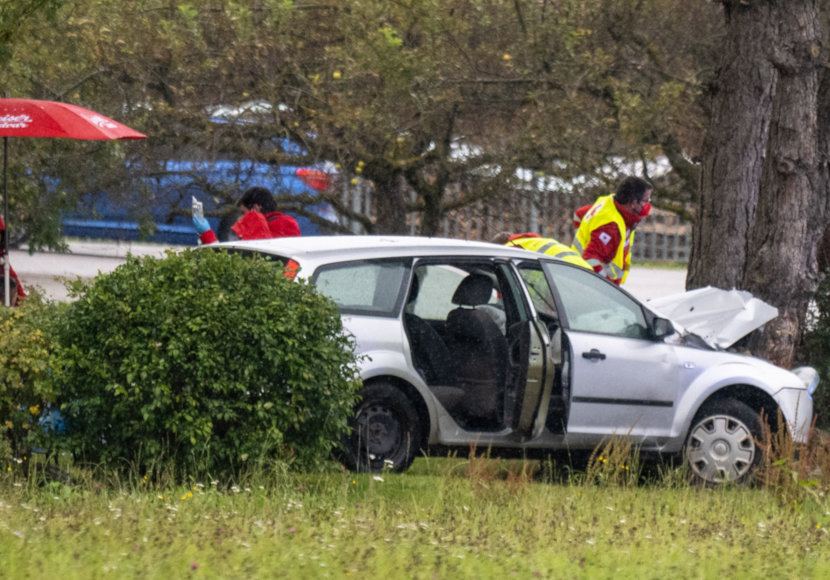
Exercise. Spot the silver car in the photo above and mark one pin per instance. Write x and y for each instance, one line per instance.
(469, 342)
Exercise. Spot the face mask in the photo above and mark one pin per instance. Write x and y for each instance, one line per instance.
(646, 210)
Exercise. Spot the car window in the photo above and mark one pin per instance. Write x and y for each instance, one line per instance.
(538, 288)
(246, 253)
(438, 283)
(368, 287)
(593, 305)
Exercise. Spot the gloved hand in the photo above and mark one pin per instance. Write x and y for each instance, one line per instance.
(201, 225)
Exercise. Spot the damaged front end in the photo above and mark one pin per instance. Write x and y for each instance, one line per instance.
(719, 317)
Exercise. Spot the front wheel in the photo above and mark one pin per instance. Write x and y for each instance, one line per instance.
(721, 446)
(385, 431)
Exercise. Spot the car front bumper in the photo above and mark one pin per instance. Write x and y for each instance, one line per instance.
(797, 407)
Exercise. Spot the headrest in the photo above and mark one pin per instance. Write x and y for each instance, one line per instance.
(474, 290)
(413, 290)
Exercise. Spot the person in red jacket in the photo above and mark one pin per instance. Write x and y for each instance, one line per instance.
(260, 219)
(14, 281)
(632, 202)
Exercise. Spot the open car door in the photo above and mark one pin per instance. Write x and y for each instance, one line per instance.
(532, 371)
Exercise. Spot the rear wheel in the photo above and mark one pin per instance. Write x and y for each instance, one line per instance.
(721, 445)
(385, 431)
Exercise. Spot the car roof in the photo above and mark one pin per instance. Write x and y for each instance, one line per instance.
(339, 248)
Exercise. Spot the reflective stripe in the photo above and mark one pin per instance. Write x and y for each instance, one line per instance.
(566, 253)
(578, 246)
(577, 219)
(594, 262)
(616, 271)
(552, 248)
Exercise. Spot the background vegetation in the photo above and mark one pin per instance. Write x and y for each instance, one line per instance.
(27, 385)
(202, 355)
(417, 94)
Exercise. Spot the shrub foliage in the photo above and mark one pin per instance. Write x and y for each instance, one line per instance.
(26, 351)
(206, 357)
(817, 349)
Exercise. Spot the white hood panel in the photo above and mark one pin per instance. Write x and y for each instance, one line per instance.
(719, 317)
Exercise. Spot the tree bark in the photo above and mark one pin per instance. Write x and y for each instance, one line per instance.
(390, 205)
(733, 151)
(782, 265)
(431, 217)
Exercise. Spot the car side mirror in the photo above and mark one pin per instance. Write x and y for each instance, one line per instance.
(662, 328)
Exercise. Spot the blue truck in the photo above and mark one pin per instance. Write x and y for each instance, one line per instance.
(158, 199)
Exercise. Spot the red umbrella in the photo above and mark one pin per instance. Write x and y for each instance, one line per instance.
(30, 118)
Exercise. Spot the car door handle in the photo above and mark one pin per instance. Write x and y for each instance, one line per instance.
(593, 355)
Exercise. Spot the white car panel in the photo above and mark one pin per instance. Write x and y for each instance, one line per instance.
(632, 391)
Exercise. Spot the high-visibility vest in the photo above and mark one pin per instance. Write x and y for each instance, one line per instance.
(550, 247)
(604, 211)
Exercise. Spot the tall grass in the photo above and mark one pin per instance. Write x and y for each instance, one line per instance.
(793, 470)
(441, 519)
(454, 517)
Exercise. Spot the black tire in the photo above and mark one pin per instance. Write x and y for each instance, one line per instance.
(721, 445)
(385, 428)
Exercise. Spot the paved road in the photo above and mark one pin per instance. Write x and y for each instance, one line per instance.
(85, 260)
(88, 258)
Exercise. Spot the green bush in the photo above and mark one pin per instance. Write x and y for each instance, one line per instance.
(817, 350)
(26, 354)
(206, 358)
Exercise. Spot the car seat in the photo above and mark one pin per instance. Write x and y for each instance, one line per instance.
(430, 355)
(479, 348)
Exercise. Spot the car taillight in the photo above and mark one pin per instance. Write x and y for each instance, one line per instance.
(291, 269)
(314, 178)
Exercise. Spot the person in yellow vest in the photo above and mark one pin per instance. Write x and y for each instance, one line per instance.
(536, 243)
(605, 229)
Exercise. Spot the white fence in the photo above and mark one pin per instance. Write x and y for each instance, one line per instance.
(660, 237)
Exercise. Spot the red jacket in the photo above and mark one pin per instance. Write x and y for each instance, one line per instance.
(256, 226)
(20, 292)
(606, 239)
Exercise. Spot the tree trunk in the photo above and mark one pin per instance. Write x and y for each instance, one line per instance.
(431, 217)
(733, 151)
(782, 266)
(390, 205)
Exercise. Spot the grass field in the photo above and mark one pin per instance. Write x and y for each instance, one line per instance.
(445, 518)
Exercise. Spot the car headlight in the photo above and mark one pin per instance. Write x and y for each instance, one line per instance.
(809, 376)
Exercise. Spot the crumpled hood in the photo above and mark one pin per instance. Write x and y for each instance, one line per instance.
(719, 317)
